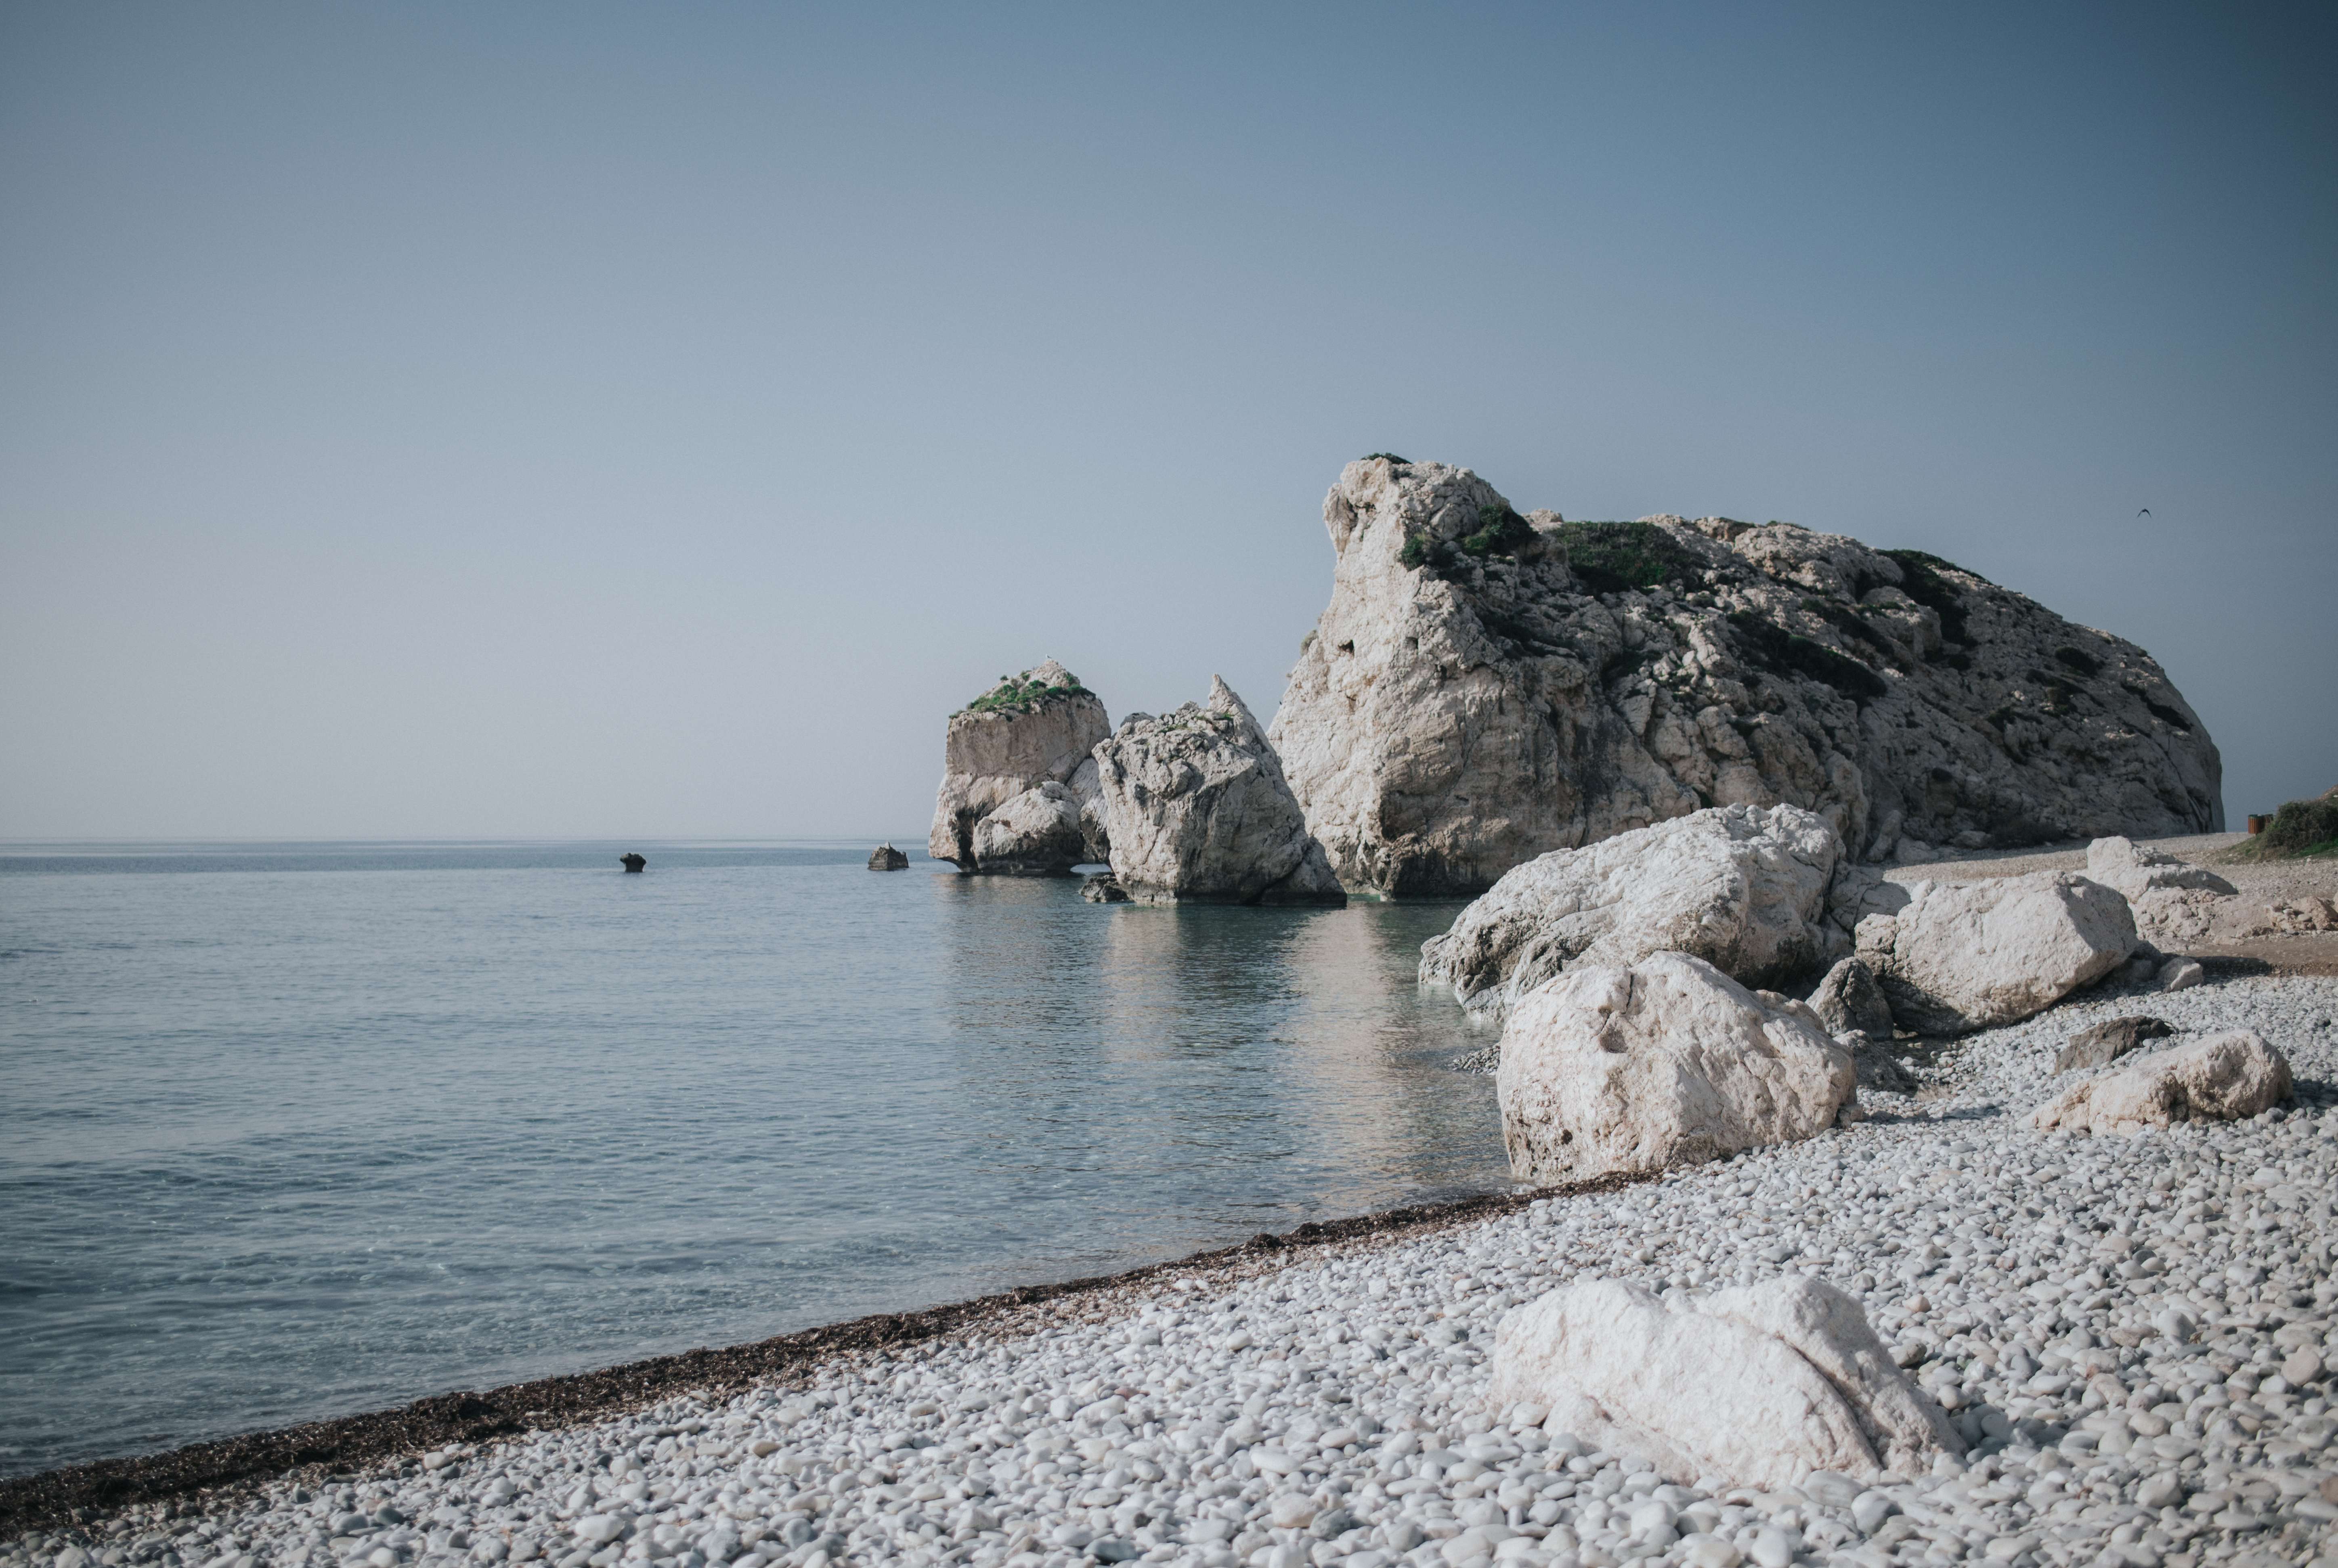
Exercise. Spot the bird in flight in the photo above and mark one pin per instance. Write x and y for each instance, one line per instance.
(2145, 513)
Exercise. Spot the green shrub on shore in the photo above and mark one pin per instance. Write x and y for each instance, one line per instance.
(2299, 830)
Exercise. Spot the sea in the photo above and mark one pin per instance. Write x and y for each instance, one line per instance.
(294, 1131)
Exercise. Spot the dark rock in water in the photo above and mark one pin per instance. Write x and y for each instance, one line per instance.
(2108, 1041)
(1848, 998)
(885, 857)
(632, 862)
(1100, 888)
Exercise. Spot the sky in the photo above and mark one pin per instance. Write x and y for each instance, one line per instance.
(586, 420)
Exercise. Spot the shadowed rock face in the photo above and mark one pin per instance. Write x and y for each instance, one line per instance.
(1019, 753)
(1485, 687)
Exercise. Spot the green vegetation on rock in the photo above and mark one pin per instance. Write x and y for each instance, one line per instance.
(1781, 652)
(1021, 694)
(1617, 558)
(1501, 530)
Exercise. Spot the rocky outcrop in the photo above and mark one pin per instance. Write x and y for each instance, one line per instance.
(1197, 811)
(1848, 999)
(1964, 956)
(885, 857)
(1741, 886)
(1761, 1385)
(2222, 1078)
(2108, 1041)
(1034, 834)
(1005, 749)
(1485, 687)
(1667, 1062)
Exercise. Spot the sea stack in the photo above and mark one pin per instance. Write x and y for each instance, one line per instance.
(1019, 788)
(632, 862)
(1487, 685)
(885, 857)
(1199, 812)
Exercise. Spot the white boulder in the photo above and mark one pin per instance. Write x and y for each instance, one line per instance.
(1035, 833)
(1197, 810)
(1762, 1384)
(2222, 1078)
(1029, 731)
(2174, 902)
(1668, 1062)
(1744, 888)
(1964, 956)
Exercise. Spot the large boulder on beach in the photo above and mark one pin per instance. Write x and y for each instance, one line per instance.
(2221, 1078)
(1761, 1385)
(2174, 902)
(1744, 888)
(1197, 811)
(1030, 730)
(1486, 685)
(1667, 1062)
(1962, 956)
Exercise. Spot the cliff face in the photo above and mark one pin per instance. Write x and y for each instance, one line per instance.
(1028, 731)
(1486, 686)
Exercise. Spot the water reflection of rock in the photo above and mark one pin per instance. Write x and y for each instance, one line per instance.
(1194, 1074)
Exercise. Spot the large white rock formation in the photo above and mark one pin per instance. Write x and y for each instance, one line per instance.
(1484, 687)
(1761, 1385)
(2222, 1078)
(1667, 1062)
(1742, 886)
(1027, 732)
(1197, 810)
(1964, 956)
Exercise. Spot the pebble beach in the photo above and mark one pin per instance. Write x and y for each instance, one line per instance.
(2132, 1334)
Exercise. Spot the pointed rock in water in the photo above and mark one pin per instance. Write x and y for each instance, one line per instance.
(1485, 687)
(1197, 810)
(885, 857)
(1005, 749)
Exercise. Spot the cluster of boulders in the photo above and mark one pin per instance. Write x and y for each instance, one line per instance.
(1632, 1039)
(1486, 686)
(2179, 905)
(1188, 807)
(1018, 795)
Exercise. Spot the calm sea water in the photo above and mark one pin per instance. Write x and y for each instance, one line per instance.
(293, 1130)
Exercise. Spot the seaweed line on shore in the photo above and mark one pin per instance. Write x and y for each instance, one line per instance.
(68, 1495)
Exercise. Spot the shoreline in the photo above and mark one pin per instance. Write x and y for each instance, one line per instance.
(50, 1497)
(2137, 1337)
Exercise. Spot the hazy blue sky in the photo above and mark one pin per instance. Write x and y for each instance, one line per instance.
(543, 420)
